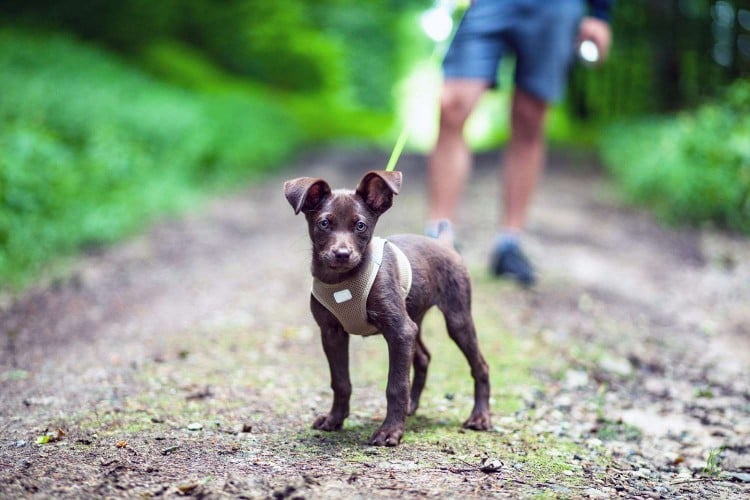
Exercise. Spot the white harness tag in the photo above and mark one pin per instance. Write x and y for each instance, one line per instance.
(342, 296)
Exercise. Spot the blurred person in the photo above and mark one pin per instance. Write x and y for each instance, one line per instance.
(543, 36)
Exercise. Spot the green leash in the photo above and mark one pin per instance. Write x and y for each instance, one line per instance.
(437, 54)
(397, 149)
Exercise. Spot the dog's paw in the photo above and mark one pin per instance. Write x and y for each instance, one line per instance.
(478, 421)
(387, 436)
(328, 423)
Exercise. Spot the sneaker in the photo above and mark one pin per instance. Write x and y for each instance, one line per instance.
(441, 230)
(508, 260)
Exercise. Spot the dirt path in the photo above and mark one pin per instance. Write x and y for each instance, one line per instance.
(185, 362)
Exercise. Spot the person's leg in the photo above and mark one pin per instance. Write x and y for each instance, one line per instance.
(544, 42)
(450, 161)
(523, 160)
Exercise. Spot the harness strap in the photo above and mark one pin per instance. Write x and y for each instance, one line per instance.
(347, 300)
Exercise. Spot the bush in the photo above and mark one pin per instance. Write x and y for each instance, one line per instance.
(329, 46)
(92, 148)
(693, 168)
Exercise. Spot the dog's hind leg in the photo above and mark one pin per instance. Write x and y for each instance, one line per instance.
(461, 329)
(421, 361)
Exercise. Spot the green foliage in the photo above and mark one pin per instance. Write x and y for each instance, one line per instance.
(666, 55)
(322, 115)
(346, 47)
(90, 149)
(272, 42)
(367, 36)
(692, 168)
(713, 462)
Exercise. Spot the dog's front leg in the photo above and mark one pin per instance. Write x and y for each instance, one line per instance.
(400, 340)
(336, 346)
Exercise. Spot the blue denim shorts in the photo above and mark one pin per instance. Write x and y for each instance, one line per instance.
(541, 34)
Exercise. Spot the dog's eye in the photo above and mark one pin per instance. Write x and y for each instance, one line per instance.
(324, 223)
(360, 226)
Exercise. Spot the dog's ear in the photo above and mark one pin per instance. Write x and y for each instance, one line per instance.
(305, 193)
(377, 188)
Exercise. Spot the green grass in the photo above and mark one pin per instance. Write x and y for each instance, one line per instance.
(276, 379)
(693, 168)
(93, 148)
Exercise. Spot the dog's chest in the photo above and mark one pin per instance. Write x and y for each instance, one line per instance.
(348, 300)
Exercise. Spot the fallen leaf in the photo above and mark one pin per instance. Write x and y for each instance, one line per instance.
(14, 375)
(186, 488)
(202, 393)
(51, 437)
(121, 444)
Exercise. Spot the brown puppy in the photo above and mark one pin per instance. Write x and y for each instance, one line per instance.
(341, 225)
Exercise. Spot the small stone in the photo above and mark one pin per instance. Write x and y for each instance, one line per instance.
(575, 379)
(657, 387)
(563, 490)
(491, 465)
(740, 476)
(594, 443)
(616, 365)
(563, 402)
(195, 426)
(643, 472)
(247, 428)
(20, 443)
(594, 493)
(735, 461)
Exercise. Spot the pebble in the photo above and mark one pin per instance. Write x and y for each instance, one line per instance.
(741, 476)
(575, 379)
(643, 473)
(657, 387)
(563, 402)
(491, 465)
(594, 443)
(736, 461)
(616, 365)
(195, 426)
(560, 489)
(594, 493)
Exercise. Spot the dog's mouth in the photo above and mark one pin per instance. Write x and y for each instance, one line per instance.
(339, 264)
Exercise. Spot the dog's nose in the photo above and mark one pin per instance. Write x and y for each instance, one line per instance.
(342, 254)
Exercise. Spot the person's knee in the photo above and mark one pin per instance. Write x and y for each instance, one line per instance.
(527, 117)
(454, 110)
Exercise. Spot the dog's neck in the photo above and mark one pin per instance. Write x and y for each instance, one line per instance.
(329, 276)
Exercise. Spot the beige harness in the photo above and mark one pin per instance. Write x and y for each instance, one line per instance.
(348, 300)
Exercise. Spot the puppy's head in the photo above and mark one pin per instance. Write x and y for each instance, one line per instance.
(341, 222)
